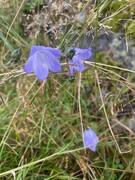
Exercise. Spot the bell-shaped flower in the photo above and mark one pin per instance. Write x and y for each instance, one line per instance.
(42, 60)
(76, 63)
(90, 139)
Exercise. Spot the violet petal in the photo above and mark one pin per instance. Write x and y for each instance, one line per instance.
(90, 139)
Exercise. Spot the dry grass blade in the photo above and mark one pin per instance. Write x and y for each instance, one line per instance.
(79, 103)
(7, 131)
(106, 116)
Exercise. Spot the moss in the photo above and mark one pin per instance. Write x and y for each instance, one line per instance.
(115, 5)
(117, 23)
(130, 30)
(117, 15)
(103, 57)
(32, 5)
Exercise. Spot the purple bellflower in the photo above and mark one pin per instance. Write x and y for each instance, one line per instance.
(42, 60)
(90, 139)
(77, 61)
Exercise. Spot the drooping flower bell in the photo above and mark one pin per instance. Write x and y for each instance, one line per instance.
(90, 139)
(42, 60)
(76, 63)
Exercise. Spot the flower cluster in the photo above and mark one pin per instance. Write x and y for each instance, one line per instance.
(44, 59)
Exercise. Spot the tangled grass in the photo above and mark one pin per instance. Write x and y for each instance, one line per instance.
(40, 122)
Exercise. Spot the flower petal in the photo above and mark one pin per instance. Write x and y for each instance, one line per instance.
(76, 64)
(90, 139)
(56, 52)
(49, 60)
(76, 59)
(28, 67)
(80, 67)
(84, 53)
(34, 49)
(71, 70)
(40, 70)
